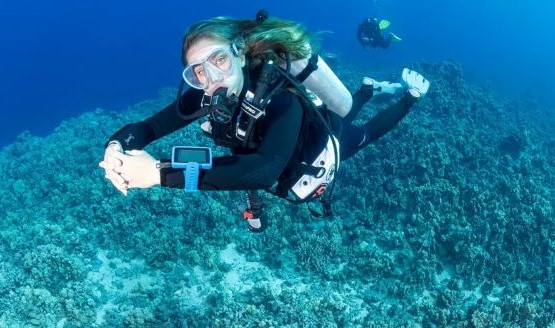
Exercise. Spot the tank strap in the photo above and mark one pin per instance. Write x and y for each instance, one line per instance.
(311, 66)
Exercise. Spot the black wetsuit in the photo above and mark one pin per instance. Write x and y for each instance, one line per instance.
(369, 34)
(280, 133)
(353, 138)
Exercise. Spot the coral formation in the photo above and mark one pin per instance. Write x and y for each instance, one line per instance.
(446, 221)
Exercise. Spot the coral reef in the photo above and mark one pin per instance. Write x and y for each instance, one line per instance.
(446, 221)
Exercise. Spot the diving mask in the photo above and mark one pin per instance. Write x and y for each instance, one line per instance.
(212, 68)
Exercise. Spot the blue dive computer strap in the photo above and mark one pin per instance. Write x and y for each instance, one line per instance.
(190, 174)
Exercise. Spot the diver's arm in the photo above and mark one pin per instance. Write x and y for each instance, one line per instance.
(139, 135)
(258, 170)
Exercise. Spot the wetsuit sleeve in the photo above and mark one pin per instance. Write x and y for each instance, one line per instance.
(258, 170)
(139, 135)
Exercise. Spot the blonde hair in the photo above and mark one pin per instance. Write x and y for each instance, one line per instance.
(273, 39)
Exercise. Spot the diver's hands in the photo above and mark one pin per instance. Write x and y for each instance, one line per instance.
(132, 169)
(109, 164)
(138, 169)
(416, 84)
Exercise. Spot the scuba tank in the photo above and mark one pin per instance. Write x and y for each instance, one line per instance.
(323, 82)
(318, 77)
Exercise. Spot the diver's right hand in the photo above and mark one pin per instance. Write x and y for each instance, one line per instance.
(110, 163)
(414, 81)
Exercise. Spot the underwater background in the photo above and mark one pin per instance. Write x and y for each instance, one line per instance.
(447, 221)
(62, 58)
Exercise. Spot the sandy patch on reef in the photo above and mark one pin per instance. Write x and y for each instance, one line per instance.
(117, 278)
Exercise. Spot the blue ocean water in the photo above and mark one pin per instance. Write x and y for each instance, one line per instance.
(63, 58)
(446, 221)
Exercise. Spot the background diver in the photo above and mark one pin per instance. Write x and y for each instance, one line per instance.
(370, 33)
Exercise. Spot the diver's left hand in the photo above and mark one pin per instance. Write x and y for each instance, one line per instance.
(415, 82)
(138, 169)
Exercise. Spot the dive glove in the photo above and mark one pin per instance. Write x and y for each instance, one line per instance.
(416, 83)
